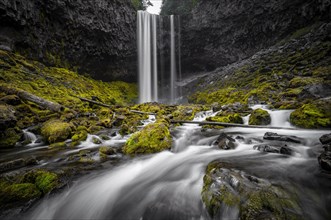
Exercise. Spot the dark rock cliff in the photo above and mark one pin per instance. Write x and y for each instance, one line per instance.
(97, 36)
(219, 32)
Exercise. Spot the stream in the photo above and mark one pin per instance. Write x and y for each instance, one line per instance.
(168, 185)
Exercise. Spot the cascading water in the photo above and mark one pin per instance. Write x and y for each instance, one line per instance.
(168, 185)
(149, 43)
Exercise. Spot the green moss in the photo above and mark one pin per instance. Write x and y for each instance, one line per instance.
(227, 118)
(61, 85)
(259, 117)
(58, 145)
(22, 192)
(153, 138)
(312, 115)
(56, 131)
(80, 135)
(9, 137)
(45, 181)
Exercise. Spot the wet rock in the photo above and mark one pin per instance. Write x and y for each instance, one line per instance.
(273, 148)
(324, 160)
(259, 117)
(325, 139)
(16, 164)
(278, 137)
(248, 196)
(225, 142)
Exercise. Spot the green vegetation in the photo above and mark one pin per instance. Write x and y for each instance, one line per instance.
(259, 117)
(153, 138)
(313, 115)
(227, 118)
(137, 4)
(278, 78)
(26, 187)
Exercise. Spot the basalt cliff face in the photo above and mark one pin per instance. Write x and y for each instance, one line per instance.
(219, 32)
(97, 36)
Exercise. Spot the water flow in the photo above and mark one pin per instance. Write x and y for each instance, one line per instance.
(147, 57)
(173, 60)
(148, 33)
(168, 185)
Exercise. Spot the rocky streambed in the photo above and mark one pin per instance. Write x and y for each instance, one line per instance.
(206, 173)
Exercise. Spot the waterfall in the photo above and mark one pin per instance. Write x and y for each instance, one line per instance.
(173, 60)
(150, 43)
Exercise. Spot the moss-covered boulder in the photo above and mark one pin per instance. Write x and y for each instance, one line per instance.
(44, 181)
(259, 117)
(17, 193)
(153, 138)
(19, 189)
(10, 137)
(227, 118)
(227, 190)
(313, 115)
(56, 131)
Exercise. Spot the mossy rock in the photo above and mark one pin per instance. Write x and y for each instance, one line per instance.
(259, 117)
(56, 131)
(21, 192)
(10, 137)
(58, 145)
(80, 135)
(313, 115)
(45, 181)
(227, 118)
(153, 138)
(106, 150)
(251, 197)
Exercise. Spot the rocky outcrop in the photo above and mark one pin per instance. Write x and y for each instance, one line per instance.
(96, 36)
(220, 32)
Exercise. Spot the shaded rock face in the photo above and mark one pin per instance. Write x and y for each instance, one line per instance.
(220, 32)
(97, 36)
(324, 159)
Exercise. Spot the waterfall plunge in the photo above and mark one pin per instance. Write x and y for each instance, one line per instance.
(150, 34)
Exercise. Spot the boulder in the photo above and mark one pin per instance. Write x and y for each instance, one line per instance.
(56, 131)
(325, 139)
(259, 117)
(225, 142)
(228, 190)
(153, 138)
(324, 160)
(273, 148)
(313, 115)
(278, 137)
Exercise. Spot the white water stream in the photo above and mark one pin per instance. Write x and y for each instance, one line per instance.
(168, 185)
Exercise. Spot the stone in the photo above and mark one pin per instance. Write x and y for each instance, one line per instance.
(272, 148)
(277, 137)
(259, 117)
(324, 161)
(225, 142)
(325, 139)
(229, 190)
